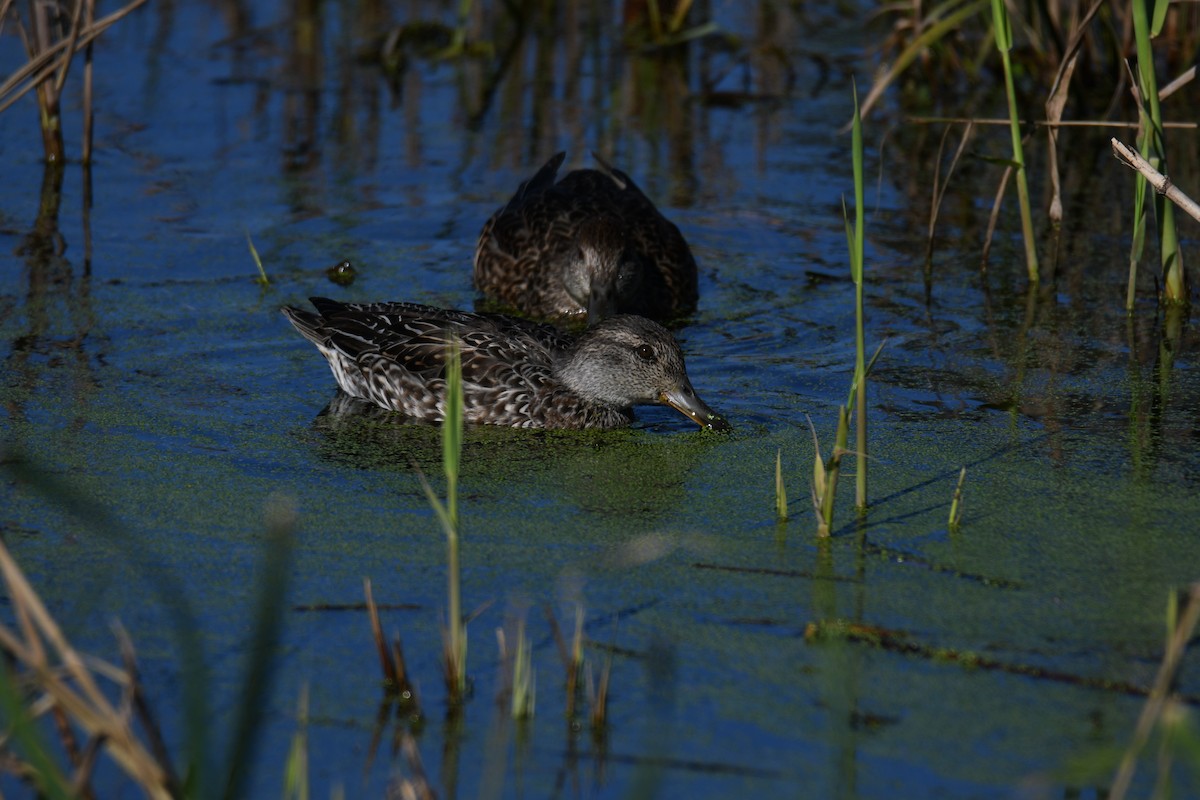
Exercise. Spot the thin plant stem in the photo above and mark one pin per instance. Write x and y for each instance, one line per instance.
(1161, 183)
(934, 32)
(451, 453)
(1003, 34)
(832, 471)
(1152, 147)
(43, 64)
(88, 115)
(956, 503)
(262, 279)
(295, 776)
(455, 656)
(781, 505)
(856, 270)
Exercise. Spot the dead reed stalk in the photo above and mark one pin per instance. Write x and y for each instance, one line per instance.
(66, 684)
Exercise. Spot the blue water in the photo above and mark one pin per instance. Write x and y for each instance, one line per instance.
(158, 379)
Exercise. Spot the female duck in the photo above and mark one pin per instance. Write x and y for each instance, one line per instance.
(590, 245)
(515, 373)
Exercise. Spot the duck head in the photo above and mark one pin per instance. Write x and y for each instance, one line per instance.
(601, 275)
(624, 361)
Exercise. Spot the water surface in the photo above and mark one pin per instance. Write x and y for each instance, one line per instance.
(147, 369)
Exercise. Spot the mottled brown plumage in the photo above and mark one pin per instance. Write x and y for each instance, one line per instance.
(590, 245)
(515, 372)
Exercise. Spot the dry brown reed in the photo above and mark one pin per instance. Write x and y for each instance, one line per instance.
(1161, 700)
(51, 50)
(57, 681)
(391, 658)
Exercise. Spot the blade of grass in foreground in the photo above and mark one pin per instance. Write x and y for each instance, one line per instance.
(856, 272)
(1177, 640)
(22, 732)
(452, 424)
(295, 776)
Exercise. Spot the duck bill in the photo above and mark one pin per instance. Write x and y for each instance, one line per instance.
(685, 400)
(602, 302)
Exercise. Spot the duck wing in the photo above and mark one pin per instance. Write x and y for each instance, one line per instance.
(394, 355)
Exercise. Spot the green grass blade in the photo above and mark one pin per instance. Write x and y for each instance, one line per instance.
(295, 776)
(825, 523)
(956, 502)
(1139, 237)
(1002, 28)
(1160, 16)
(781, 503)
(928, 37)
(856, 271)
(452, 432)
(21, 731)
(452, 429)
(1153, 150)
(262, 278)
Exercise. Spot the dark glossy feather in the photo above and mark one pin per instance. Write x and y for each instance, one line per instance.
(531, 253)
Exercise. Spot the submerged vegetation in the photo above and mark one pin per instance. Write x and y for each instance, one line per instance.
(1068, 56)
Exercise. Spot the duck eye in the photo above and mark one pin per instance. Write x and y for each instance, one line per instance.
(645, 352)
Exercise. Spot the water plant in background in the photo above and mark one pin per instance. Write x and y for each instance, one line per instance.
(1153, 149)
(1105, 33)
(51, 47)
(1002, 29)
(597, 691)
(825, 474)
(930, 27)
(455, 631)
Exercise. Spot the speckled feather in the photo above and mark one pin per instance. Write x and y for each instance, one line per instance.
(526, 247)
(515, 372)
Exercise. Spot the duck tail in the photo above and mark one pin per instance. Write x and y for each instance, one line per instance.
(310, 325)
(543, 179)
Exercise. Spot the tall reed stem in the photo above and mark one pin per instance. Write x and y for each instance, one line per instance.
(856, 271)
(455, 632)
(451, 453)
(1003, 31)
(1153, 150)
